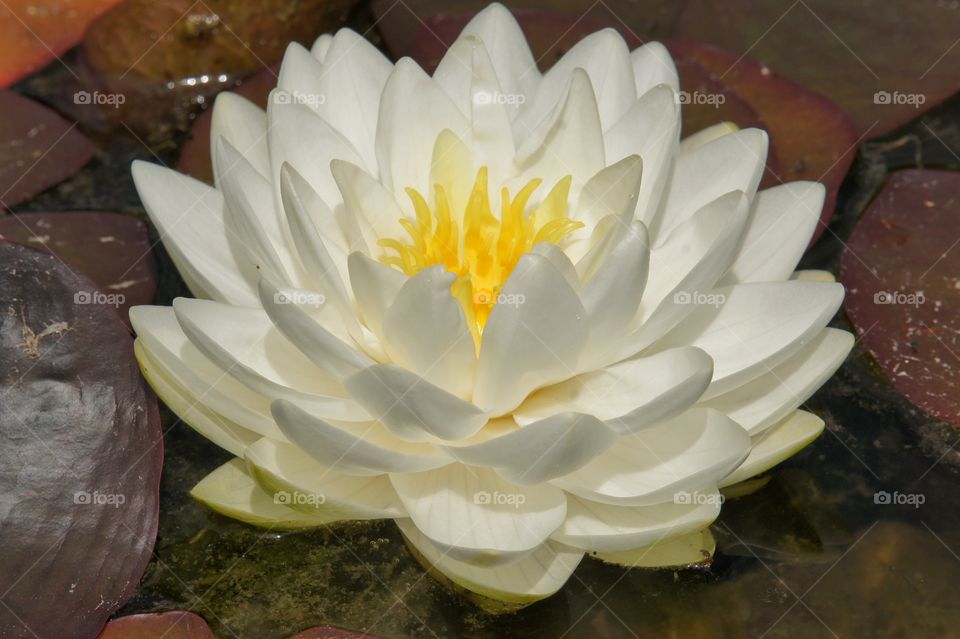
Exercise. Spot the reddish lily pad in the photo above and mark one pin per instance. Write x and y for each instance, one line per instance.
(901, 268)
(195, 153)
(38, 148)
(80, 454)
(33, 33)
(812, 136)
(855, 53)
(178, 624)
(111, 249)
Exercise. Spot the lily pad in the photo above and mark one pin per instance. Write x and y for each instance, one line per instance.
(80, 454)
(38, 149)
(33, 33)
(901, 268)
(111, 249)
(195, 152)
(178, 624)
(329, 632)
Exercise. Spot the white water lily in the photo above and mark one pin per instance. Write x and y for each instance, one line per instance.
(511, 311)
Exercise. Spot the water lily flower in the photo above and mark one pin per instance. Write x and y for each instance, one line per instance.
(510, 310)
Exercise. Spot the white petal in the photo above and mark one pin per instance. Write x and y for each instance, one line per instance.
(375, 287)
(629, 396)
(560, 261)
(649, 129)
(510, 55)
(413, 112)
(603, 57)
(246, 344)
(251, 216)
(775, 394)
(709, 134)
(290, 123)
(597, 527)
(426, 331)
(244, 125)
(783, 221)
(755, 327)
(352, 81)
(475, 515)
(542, 450)
(411, 407)
(231, 491)
(321, 45)
(733, 162)
(691, 451)
(536, 576)
(779, 442)
(612, 191)
(570, 142)
(652, 65)
(365, 449)
(188, 215)
(370, 203)
(327, 351)
(224, 433)
(300, 78)
(175, 358)
(692, 549)
(533, 342)
(279, 467)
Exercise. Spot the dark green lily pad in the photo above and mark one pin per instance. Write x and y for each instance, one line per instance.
(111, 249)
(80, 454)
(901, 268)
(38, 149)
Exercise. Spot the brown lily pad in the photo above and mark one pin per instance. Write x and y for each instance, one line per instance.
(195, 152)
(34, 33)
(164, 40)
(814, 139)
(80, 454)
(111, 249)
(901, 268)
(38, 148)
(178, 624)
(329, 632)
(871, 58)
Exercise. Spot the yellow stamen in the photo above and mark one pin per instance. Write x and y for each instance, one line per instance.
(481, 249)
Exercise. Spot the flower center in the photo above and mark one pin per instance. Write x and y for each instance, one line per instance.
(477, 246)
